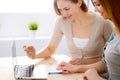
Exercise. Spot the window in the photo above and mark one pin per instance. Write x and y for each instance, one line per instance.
(16, 14)
(25, 6)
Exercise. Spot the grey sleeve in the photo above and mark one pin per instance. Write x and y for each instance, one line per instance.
(103, 62)
(104, 75)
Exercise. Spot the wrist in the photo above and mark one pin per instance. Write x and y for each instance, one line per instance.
(82, 68)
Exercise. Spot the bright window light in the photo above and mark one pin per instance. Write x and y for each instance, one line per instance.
(25, 6)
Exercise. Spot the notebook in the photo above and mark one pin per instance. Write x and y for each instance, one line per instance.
(31, 71)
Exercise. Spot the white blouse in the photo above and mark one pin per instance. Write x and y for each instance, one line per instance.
(80, 42)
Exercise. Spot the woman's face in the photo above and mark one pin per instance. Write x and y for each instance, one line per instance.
(68, 9)
(100, 9)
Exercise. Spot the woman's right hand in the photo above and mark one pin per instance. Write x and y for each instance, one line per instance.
(30, 51)
(92, 74)
(76, 61)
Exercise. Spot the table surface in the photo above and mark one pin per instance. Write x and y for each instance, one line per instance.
(6, 67)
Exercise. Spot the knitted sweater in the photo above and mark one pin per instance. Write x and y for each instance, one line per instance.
(101, 30)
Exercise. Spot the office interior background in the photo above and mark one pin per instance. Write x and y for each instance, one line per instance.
(14, 18)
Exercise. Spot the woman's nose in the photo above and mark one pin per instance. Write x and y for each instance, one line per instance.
(96, 9)
(64, 13)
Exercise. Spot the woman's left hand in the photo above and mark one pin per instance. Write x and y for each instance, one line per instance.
(67, 68)
(76, 61)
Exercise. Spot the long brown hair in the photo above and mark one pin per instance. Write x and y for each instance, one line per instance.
(83, 6)
(113, 11)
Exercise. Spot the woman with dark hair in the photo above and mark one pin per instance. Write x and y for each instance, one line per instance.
(110, 63)
(76, 22)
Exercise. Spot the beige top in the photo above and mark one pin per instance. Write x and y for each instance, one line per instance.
(101, 30)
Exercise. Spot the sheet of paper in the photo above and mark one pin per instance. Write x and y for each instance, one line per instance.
(53, 70)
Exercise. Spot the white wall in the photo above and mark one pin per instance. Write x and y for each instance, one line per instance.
(15, 24)
(14, 20)
(25, 6)
(14, 17)
(5, 47)
(39, 43)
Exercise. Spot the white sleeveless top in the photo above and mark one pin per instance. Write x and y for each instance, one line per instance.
(80, 43)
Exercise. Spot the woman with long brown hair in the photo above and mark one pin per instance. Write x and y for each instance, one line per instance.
(75, 22)
(108, 9)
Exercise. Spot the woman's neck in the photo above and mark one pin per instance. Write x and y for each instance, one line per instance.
(84, 19)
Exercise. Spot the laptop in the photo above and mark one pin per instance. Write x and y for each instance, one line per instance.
(27, 72)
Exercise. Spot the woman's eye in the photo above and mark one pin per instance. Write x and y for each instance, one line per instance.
(97, 4)
(66, 9)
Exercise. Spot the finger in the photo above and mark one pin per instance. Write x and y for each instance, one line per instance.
(24, 46)
(65, 72)
(85, 78)
(62, 67)
(61, 64)
(59, 68)
(73, 62)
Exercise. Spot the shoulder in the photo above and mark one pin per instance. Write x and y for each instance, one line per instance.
(115, 43)
(117, 40)
(103, 22)
(99, 18)
(61, 19)
(108, 24)
(62, 22)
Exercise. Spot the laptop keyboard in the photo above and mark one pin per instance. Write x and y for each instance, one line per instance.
(22, 71)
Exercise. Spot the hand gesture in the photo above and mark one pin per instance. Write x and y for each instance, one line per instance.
(30, 51)
(67, 68)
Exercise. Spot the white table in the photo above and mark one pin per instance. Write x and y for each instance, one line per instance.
(6, 67)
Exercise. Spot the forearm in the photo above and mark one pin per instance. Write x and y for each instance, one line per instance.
(91, 60)
(46, 52)
(98, 66)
